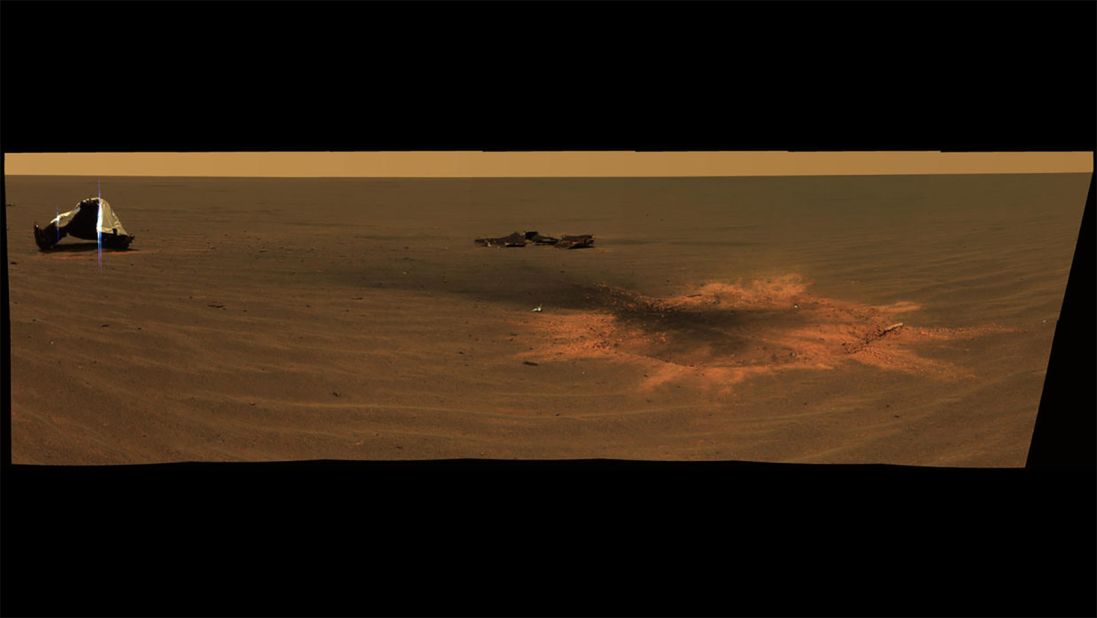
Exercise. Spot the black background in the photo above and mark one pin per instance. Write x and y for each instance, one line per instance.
(444, 538)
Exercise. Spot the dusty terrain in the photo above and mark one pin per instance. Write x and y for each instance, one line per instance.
(849, 319)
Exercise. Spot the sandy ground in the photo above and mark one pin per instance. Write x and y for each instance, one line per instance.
(897, 320)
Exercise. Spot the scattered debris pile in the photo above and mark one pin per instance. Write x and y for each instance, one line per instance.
(520, 239)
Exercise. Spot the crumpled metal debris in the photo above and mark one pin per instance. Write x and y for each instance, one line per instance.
(521, 239)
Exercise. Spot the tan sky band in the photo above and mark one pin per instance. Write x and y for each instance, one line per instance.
(472, 164)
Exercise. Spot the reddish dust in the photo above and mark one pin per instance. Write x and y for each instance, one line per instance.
(721, 334)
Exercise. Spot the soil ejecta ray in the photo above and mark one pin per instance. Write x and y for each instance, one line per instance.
(720, 333)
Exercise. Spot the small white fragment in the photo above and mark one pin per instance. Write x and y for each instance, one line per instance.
(537, 309)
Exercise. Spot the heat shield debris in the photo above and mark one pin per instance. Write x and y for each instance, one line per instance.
(514, 240)
(576, 242)
(538, 239)
(92, 219)
(521, 239)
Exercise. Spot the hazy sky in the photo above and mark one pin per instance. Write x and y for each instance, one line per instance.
(458, 164)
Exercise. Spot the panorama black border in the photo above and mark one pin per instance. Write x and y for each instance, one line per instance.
(581, 537)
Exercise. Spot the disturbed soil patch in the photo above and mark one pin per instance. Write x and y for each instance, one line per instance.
(722, 333)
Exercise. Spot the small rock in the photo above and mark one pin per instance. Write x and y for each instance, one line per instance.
(104, 325)
(530, 363)
(335, 393)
